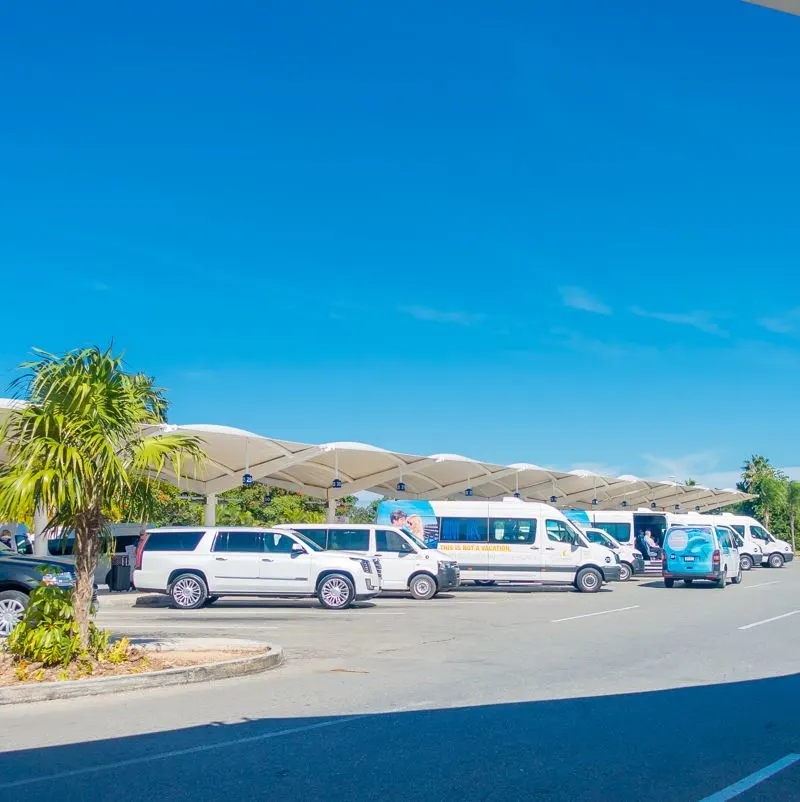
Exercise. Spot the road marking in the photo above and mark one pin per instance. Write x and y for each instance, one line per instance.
(752, 780)
(185, 627)
(591, 615)
(769, 620)
(762, 584)
(136, 761)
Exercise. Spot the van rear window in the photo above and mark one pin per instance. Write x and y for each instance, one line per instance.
(688, 538)
(173, 541)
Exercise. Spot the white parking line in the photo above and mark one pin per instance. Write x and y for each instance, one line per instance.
(761, 585)
(769, 620)
(752, 780)
(591, 615)
(135, 761)
(186, 627)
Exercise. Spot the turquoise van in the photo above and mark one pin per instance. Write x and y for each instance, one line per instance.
(700, 552)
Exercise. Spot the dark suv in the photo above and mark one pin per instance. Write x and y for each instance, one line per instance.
(19, 575)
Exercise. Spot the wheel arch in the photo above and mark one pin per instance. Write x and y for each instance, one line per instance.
(590, 565)
(180, 571)
(330, 571)
(422, 572)
(11, 584)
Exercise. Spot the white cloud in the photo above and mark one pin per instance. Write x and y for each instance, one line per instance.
(782, 325)
(578, 298)
(679, 469)
(440, 316)
(703, 321)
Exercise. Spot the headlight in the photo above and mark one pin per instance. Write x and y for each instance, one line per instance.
(366, 565)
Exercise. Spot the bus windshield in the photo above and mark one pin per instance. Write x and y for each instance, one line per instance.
(761, 534)
(580, 538)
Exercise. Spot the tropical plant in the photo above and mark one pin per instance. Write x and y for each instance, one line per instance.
(80, 448)
(793, 508)
(49, 634)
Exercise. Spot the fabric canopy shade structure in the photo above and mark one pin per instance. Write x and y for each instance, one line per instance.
(787, 6)
(331, 471)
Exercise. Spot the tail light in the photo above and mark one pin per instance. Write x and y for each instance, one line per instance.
(715, 557)
(140, 550)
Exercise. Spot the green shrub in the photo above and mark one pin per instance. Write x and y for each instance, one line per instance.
(48, 633)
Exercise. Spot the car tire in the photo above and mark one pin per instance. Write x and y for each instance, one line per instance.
(669, 583)
(738, 578)
(13, 604)
(336, 592)
(625, 572)
(746, 562)
(188, 592)
(688, 582)
(423, 587)
(484, 583)
(589, 580)
(723, 580)
(775, 560)
(211, 600)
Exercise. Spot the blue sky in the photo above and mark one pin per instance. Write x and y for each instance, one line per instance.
(561, 233)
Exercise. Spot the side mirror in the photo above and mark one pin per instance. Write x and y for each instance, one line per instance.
(297, 550)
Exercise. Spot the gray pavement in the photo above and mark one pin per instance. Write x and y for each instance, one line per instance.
(635, 692)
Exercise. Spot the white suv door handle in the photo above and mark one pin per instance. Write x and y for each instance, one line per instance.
(550, 548)
(221, 559)
(267, 560)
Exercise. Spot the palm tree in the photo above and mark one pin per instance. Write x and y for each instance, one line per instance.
(753, 469)
(793, 504)
(79, 449)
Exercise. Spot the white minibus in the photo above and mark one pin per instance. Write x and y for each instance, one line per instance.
(775, 552)
(642, 529)
(507, 541)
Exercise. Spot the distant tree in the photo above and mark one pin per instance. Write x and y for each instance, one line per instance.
(365, 515)
(690, 482)
(793, 508)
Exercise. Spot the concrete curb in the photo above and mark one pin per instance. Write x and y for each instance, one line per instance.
(239, 667)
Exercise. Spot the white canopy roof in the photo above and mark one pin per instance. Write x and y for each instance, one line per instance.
(314, 470)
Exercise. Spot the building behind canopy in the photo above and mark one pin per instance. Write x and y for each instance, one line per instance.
(331, 471)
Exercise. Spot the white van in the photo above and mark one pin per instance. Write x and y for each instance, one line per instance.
(775, 552)
(507, 541)
(750, 552)
(406, 563)
(631, 561)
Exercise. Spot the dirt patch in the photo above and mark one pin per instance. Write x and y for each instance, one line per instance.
(140, 661)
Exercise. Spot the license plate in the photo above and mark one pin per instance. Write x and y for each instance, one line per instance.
(689, 559)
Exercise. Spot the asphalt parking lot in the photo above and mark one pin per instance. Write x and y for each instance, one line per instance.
(484, 693)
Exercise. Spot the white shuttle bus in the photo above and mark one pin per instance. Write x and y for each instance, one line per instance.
(507, 541)
(775, 552)
(642, 529)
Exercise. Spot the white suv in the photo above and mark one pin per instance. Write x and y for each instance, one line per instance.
(197, 565)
